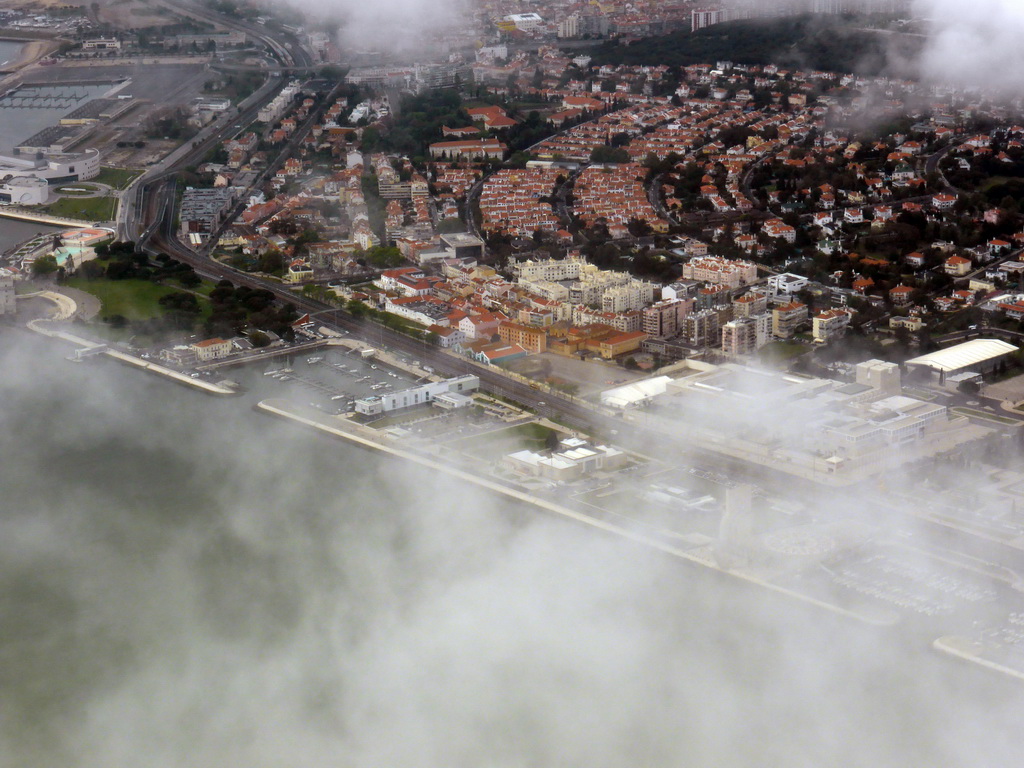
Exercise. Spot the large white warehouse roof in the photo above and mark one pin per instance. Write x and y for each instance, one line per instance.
(963, 356)
(635, 394)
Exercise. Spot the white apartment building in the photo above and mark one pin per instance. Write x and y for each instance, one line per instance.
(551, 269)
(273, 111)
(714, 269)
(746, 334)
(830, 324)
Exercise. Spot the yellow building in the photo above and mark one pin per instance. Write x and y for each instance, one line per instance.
(530, 339)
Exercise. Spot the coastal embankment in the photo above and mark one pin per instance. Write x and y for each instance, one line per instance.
(66, 309)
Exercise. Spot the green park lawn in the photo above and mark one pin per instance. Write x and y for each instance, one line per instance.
(118, 178)
(85, 208)
(499, 442)
(133, 299)
(985, 415)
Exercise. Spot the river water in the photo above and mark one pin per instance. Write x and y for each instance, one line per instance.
(185, 582)
(10, 50)
(14, 231)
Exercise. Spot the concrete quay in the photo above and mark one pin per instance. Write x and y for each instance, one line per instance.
(969, 650)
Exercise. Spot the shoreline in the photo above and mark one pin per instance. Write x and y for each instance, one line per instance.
(33, 50)
(66, 308)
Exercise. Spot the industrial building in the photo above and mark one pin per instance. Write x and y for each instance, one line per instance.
(202, 210)
(974, 356)
(463, 246)
(819, 429)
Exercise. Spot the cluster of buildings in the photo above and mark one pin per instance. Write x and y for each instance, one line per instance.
(615, 195)
(511, 201)
(573, 459)
(202, 211)
(576, 20)
(709, 16)
(819, 429)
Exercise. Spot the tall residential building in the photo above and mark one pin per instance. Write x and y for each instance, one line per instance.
(749, 304)
(703, 329)
(831, 324)
(746, 334)
(787, 318)
(665, 319)
(530, 339)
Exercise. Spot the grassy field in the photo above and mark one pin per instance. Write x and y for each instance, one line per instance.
(118, 178)
(134, 299)
(87, 208)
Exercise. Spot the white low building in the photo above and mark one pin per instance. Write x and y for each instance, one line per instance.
(572, 459)
(421, 395)
(24, 190)
(53, 167)
(977, 355)
(635, 395)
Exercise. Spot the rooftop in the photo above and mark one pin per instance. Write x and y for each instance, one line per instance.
(964, 355)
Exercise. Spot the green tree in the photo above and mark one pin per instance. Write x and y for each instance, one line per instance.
(44, 265)
(271, 261)
(605, 154)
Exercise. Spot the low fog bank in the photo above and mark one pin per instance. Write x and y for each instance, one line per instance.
(386, 26)
(187, 583)
(974, 43)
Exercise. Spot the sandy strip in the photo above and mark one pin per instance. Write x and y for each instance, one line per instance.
(31, 52)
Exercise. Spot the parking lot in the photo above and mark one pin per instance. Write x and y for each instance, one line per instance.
(333, 379)
(915, 586)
